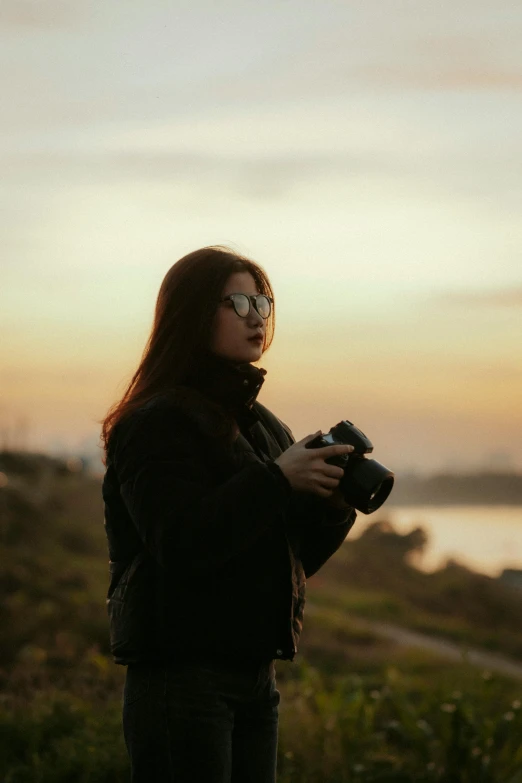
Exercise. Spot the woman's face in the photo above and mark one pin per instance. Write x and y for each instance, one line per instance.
(231, 338)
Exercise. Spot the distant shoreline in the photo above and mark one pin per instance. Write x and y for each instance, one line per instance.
(477, 489)
(449, 503)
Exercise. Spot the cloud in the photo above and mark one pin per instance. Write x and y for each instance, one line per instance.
(458, 58)
(474, 48)
(258, 176)
(501, 297)
(464, 76)
(42, 14)
(432, 60)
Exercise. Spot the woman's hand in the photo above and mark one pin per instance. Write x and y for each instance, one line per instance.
(337, 500)
(307, 471)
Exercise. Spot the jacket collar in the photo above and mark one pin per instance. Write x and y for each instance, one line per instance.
(233, 385)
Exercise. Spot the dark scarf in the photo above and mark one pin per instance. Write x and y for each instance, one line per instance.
(234, 386)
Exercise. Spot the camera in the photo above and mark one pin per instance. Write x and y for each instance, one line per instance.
(366, 483)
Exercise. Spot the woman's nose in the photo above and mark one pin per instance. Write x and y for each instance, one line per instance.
(254, 317)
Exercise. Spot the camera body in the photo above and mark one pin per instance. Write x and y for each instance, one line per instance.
(366, 484)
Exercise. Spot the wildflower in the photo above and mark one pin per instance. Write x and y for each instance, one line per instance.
(508, 715)
(424, 725)
(486, 760)
(516, 704)
(448, 707)
(486, 675)
(375, 694)
(289, 755)
(456, 695)
(476, 752)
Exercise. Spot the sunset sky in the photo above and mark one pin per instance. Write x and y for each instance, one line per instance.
(367, 154)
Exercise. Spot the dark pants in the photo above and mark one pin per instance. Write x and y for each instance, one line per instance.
(210, 722)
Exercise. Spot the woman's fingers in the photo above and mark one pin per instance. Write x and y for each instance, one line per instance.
(324, 469)
(324, 493)
(331, 451)
(325, 481)
(307, 470)
(332, 471)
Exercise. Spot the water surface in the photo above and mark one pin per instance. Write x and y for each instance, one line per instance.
(484, 538)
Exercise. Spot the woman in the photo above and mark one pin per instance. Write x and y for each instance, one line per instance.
(214, 518)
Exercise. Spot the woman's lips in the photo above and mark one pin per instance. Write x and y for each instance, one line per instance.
(257, 339)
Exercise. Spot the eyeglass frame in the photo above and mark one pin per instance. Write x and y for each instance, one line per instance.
(252, 299)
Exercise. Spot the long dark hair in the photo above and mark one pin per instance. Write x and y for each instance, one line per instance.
(181, 331)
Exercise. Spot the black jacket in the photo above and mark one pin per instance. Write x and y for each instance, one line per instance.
(209, 545)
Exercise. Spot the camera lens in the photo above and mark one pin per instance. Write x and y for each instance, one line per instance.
(376, 491)
(366, 484)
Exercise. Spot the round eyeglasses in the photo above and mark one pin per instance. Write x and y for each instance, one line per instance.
(243, 302)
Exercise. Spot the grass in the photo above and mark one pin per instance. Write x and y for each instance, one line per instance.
(354, 707)
(409, 720)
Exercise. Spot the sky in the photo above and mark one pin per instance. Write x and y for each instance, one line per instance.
(367, 154)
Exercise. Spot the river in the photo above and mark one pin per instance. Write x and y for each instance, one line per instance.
(484, 538)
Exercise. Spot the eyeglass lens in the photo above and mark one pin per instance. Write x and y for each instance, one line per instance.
(242, 305)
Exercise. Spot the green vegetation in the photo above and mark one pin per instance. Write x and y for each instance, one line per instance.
(372, 577)
(354, 706)
(406, 722)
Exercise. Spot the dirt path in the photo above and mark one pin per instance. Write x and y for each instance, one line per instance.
(449, 650)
